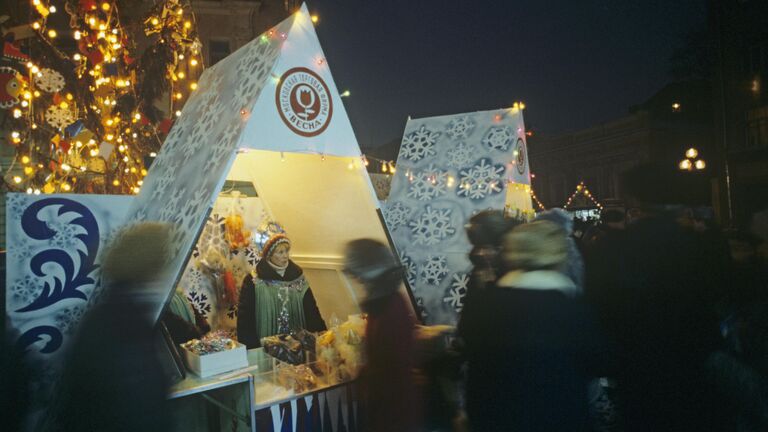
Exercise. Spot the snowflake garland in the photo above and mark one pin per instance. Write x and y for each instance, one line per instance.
(419, 144)
(457, 291)
(460, 128)
(396, 215)
(432, 226)
(499, 138)
(435, 269)
(460, 156)
(481, 180)
(427, 184)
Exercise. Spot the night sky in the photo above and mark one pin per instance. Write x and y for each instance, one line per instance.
(574, 63)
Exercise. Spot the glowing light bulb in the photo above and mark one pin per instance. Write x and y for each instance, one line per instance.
(76, 57)
(52, 9)
(17, 179)
(187, 24)
(16, 113)
(34, 70)
(116, 182)
(700, 164)
(685, 164)
(178, 113)
(51, 33)
(155, 21)
(66, 187)
(193, 62)
(315, 19)
(105, 6)
(193, 86)
(25, 159)
(691, 153)
(182, 74)
(36, 25)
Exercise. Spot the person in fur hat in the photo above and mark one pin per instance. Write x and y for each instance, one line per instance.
(531, 345)
(391, 400)
(276, 299)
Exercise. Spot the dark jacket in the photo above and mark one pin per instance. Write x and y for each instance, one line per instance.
(391, 401)
(247, 324)
(654, 287)
(531, 349)
(112, 380)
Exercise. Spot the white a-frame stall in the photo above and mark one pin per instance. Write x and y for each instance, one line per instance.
(270, 114)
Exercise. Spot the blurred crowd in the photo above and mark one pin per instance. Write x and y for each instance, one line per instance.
(653, 319)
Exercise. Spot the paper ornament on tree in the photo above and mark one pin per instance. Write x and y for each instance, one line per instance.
(11, 51)
(11, 84)
(49, 81)
(58, 117)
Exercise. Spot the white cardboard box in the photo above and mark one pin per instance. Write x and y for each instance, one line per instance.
(216, 363)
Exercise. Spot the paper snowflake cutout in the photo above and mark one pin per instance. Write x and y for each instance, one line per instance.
(460, 128)
(409, 266)
(432, 226)
(49, 80)
(499, 138)
(396, 215)
(460, 156)
(434, 270)
(419, 144)
(428, 184)
(457, 291)
(481, 180)
(200, 302)
(58, 117)
(26, 290)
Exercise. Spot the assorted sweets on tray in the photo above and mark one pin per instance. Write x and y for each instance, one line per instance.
(304, 361)
(213, 342)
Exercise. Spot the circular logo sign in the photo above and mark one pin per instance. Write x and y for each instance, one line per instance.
(304, 102)
(520, 151)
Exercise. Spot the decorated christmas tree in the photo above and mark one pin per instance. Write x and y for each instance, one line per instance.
(89, 90)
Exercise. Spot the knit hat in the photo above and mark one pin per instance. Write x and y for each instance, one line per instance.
(271, 245)
(539, 245)
(487, 228)
(373, 263)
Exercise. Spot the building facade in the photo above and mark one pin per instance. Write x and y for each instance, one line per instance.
(660, 130)
(740, 96)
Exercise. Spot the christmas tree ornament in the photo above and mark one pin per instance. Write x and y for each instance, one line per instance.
(58, 117)
(11, 51)
(49, 81)
(11, 85)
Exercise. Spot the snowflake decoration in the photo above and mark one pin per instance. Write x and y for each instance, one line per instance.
(15, 203)
(420, 306)
(22, 250)
(66, 235)
(170, 209)
(481, 180)
(427, 184)
(58, 117)
(434, 270)
(432, 226)
(396, 215)
(49, 80)
(232, 311)
(409, 266)
(200, 302)
(68, 318)
(461, 155)
(460, 128)
(457, 291)
(26, 290)
(419, 144)
(498, 138)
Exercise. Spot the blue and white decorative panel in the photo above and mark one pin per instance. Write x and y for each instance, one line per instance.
(448, 169)
(190, 168)
(54, 248)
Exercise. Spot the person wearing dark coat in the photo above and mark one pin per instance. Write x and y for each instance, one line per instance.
(531, 345)
(391, 400)
(113, 380)
(278, 300)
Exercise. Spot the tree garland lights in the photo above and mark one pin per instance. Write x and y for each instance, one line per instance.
(83, 105)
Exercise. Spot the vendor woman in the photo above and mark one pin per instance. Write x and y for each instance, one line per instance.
(278, 299)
